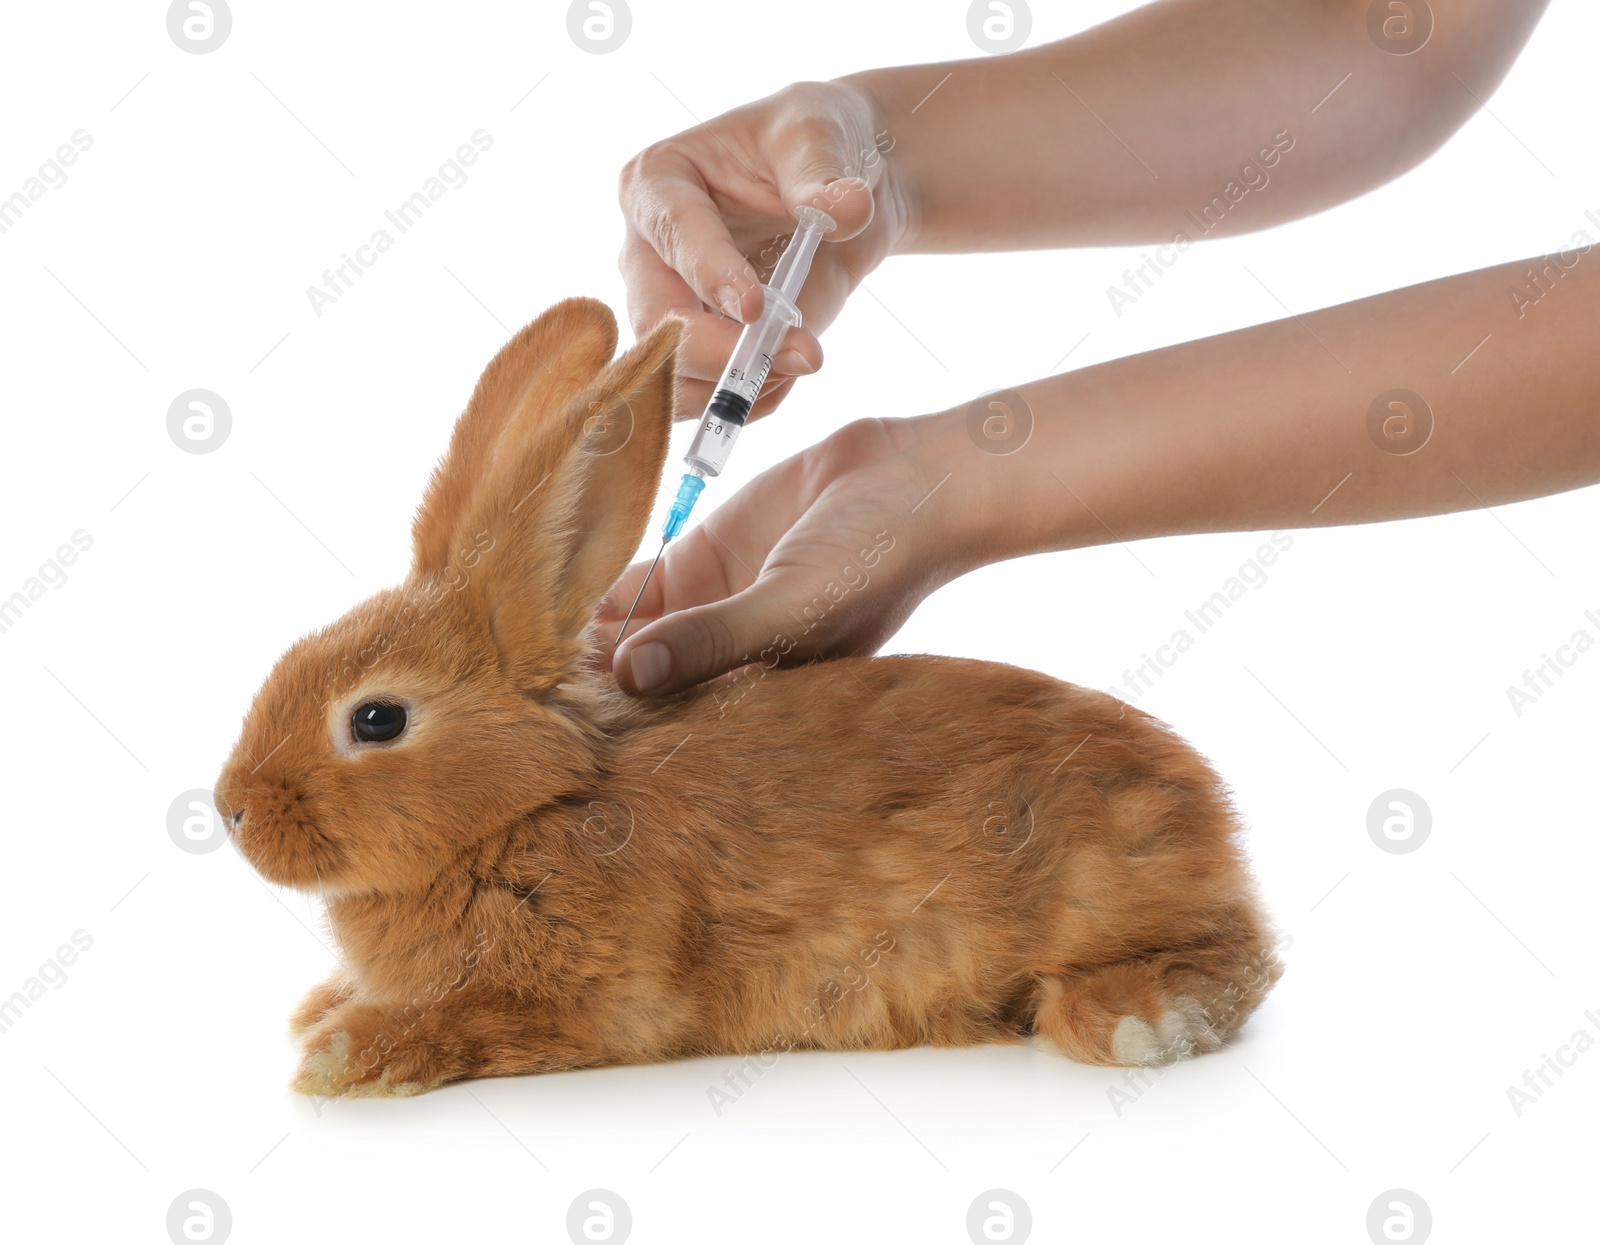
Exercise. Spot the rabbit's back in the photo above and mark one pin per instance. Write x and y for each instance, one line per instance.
(886, 851)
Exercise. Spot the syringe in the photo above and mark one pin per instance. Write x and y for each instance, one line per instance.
(746, 372)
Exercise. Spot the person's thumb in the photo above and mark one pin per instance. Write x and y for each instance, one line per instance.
(700, 643)
(819, 174)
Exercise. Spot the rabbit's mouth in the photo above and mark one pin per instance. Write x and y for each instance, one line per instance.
(286, 844)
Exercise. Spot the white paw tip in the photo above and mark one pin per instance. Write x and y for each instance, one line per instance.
(322, 1075)
(326, 1074)
(1134, 1042)
(1178, 1033)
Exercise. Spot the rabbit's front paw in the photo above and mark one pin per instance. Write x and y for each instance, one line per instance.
(361, 1052)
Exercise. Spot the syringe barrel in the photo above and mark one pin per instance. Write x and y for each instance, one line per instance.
(736, 392)
(795, 262)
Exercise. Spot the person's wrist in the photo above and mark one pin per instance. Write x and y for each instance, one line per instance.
(897, 199)
(955, 509)
(1001, 497)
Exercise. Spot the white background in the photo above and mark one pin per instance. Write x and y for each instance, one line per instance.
(177, 256)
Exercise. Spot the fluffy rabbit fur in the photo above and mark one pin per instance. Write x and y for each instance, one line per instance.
(537, 874)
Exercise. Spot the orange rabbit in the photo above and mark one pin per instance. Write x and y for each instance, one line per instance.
(527, 871)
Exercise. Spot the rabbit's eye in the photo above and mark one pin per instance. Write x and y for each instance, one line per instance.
(376, 722)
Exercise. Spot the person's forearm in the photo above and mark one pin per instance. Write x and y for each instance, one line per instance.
(1293, 423)
(1205, 117)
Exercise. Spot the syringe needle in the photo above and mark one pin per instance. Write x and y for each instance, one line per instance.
(640, 593)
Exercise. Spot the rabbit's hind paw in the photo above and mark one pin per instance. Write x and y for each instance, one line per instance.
(1155, 1009)
(1179, 1032)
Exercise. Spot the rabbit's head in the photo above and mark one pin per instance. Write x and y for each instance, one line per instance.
(384, 746)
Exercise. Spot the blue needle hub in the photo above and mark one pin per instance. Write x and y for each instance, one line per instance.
(682, 504)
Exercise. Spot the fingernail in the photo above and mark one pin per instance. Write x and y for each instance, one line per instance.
(651, 664)
(792, 363)
(728, 299)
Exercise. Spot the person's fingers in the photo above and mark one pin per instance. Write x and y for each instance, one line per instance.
(710, 339)
(694, 395)
(603, 646)
(799, 354)
(667, 587)
(622, 594)
(815, 162)
(707, 343)
(772, 395)
(827, 289)
(695, 569)
(692, 645)
(817, 177)
(653, 286)
(692, 398)
(654, 289)
(666, 201)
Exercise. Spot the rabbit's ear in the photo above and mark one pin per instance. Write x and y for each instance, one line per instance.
(562, 508)
(531, 381)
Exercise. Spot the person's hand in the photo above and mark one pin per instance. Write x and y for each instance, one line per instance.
(707, 211)
(822, 556)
